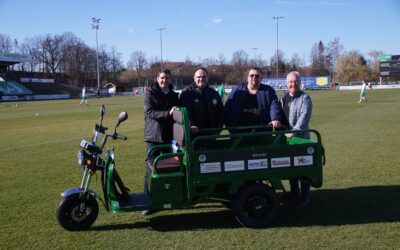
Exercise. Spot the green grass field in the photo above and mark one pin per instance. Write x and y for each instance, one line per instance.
(358, 206)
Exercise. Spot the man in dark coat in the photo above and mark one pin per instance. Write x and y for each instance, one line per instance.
(203, 103)
(159, 103)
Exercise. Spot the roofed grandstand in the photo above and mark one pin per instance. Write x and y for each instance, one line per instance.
(14, 88)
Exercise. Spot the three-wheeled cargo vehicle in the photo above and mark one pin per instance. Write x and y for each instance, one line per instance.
(242, 170)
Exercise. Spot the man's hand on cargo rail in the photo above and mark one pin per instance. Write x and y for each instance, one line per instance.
(194, 129)
(275, 124)
(289, 135)
(172, 110)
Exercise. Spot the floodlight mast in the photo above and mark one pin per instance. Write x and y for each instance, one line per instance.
(255, 49)
(95, 26)
(161, 29)
(277, 36)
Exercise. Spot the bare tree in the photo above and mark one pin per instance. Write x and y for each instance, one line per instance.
(208, 62)
(374, 64)
(52, 48)
(240, 58)
(333, 51)
(115, 63)
(239, 61)
(77, 60)
(296, 62)
(137, 62)
(281, 62)
(318, 59)
(6, 45)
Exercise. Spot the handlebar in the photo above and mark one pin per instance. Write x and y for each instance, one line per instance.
(100, 128)
(116, 136)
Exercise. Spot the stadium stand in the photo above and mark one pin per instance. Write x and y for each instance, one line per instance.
(51, 88)
(13, 88)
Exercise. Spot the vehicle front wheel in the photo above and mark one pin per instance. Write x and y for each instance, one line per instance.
(75, 213)
(256, 205)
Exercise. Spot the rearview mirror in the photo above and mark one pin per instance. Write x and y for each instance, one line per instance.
(121, 118)
(102, 112)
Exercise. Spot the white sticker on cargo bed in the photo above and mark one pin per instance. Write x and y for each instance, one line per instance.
(257, 164)
(234, 165)
(303, 160)
(210, 167)
(280, 162)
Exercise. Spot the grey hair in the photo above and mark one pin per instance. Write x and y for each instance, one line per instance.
(296, 73)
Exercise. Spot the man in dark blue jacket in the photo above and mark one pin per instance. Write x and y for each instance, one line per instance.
(253, 103)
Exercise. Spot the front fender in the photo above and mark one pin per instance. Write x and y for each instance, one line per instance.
(71, 191)
(76, 190)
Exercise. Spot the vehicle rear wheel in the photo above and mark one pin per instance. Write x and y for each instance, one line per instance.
(74, 213)
(256, 205)
(227, 204)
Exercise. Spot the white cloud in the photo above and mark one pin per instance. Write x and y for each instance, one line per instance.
(126, 27)
(217, 20)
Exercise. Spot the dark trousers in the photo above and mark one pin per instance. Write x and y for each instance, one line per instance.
(294, 186)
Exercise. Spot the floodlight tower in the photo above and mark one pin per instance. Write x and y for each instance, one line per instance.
(255, 50)
(95, 26)
(277, 57)
(161, 29)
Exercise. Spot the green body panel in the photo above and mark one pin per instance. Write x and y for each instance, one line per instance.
(217, 166)
(167, 191)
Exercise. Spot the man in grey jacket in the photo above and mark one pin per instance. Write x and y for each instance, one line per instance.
(297, 107)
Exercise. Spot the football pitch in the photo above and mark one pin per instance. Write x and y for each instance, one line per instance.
(358, 206)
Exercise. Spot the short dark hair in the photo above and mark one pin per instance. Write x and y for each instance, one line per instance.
(255, 68)
(201, 68)
(165, 71)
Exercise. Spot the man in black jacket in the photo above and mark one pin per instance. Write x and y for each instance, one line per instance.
(159, 103)
(203, 103)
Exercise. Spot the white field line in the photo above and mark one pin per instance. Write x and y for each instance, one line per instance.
(55, 141)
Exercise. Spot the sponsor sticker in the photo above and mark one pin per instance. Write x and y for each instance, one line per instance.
(202, 158)
(257, 164)
(210, 167)
(234, 165)
(280, 162)
(303, 160)
(259, 155)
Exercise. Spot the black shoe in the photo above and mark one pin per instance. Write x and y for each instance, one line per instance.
(147, 212)
(294, 196)
(305, 200)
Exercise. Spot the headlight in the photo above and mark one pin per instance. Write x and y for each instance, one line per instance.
(81, 157)
(112, 155)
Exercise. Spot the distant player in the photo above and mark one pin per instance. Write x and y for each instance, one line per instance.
(83, 96)
(221, 91)
(362, 92)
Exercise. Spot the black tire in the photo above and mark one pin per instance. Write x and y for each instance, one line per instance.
(71, 218)
(227, 204)
(256, 205)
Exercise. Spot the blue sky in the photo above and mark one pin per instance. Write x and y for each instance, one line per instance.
(207, 28)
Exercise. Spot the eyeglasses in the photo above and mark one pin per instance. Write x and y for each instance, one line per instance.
(256, 76)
